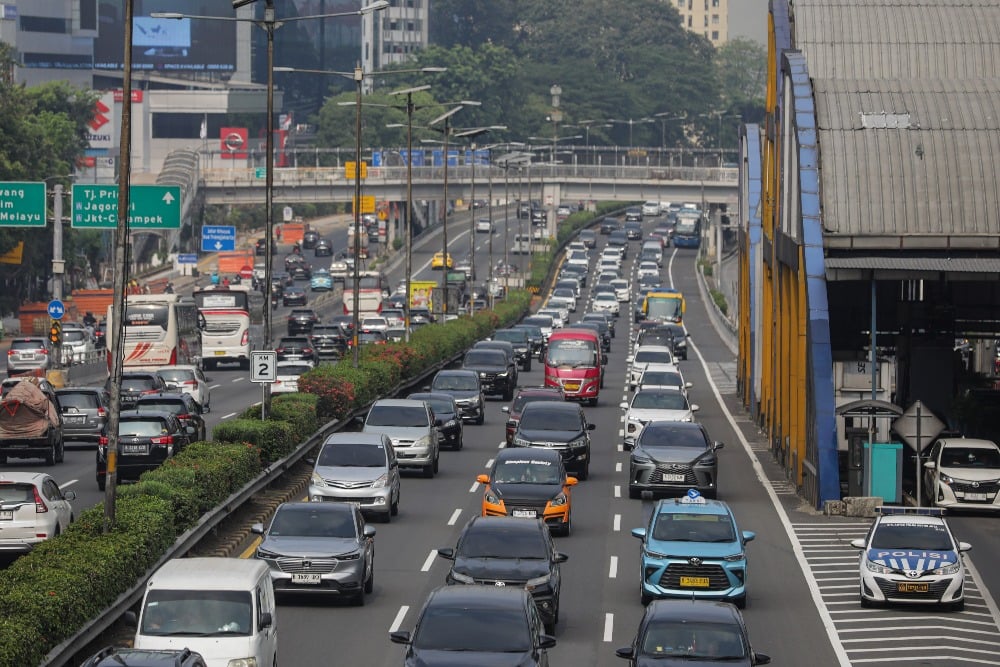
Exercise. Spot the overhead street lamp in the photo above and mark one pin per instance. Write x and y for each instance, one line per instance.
(630, 122)
(269, 24)
(718, 139)
(358, 76)
(662, 117)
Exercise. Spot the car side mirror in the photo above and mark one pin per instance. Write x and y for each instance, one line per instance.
(368, 531)
(311, 461)
(626, 652)
(591, 427)
(438, 422)
(688, 385)
(69, 495)
(483, 479)
(859, 543)
(749, 535)
(447, 553)
(546, 641)
(761, 659)
(964, 546)
(572, 481)
(505, 408)
(718, 445)
(627, 446)
(695, 407)
(131, 620)
(623, 405)
(559, 557)
(266, 621)
(604, 360)
(639, 533)
(257, 529)
(930, 465)
(400, 637)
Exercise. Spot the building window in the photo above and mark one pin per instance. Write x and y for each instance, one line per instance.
(680, 4)
(690, 21)
(715, 3)
(44, 24)
(715, 35)
(706, 5)
(715, 21)
(88, 14)
(706, 20)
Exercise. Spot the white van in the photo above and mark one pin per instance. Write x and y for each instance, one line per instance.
(652, 251)
(222, 608)
(521, 245)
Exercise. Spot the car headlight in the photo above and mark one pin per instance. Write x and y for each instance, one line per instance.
(451, 423)
(947, 479)
(242, 662)
(538, 582)
(948, 569)
(482, 374)
(521, 442)
(735, 558)
(559, 500)
(317, 480)
(492, 498)
(640, 457)
(462, 578)
(653, 554)
(577, 442)
(380, 482)
(354, 555)
(261, 553)
(876, 568)
(424, 441)
(682, 344)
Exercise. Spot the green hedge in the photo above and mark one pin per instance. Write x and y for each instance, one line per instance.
(275, 439)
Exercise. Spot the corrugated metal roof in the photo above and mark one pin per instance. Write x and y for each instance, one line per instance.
(930, 264)
(907, 99)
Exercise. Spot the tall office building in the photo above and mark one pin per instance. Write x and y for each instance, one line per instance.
(709, 18)
(394, 34)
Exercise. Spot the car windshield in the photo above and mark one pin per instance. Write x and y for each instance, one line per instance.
(136, 428)
(699, 641)
(352, 455)
(484, 358)
(485, 541)
(659, 400)
(472, 628)
(526, 471)
(653, 356)
(307, 522)
(197, 613)
(970, 457)
(171, 405)
(456, 383)
(668, 435)
(662, 379)
(684, 527)
(550, 420)
(397, 415)
(918, 536)
(174, 375)
(572, 352)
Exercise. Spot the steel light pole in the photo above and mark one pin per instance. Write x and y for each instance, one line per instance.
(663, 118)
(269, 24)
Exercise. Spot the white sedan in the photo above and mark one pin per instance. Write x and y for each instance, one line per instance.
(288, 374)
(623, 290)
(607, 302)
(647, 268)
(485, 226)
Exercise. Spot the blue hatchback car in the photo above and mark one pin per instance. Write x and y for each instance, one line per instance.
(321, 281)
(692, 547)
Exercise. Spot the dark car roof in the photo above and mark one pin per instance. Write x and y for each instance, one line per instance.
(488, 355)
(432, 396)
(693, 610)
(494, 597)
(551, 455)
(455, 371)
(137, 415)
(133, 657)
(506, 524)
(552, 406)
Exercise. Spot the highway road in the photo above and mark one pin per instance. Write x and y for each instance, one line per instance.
(802, 577)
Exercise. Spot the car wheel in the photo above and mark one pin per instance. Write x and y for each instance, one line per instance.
(508, 393)
(386, 517)
(566, 529)
(592, 402)
(645, 598)
(370, 583)
(741, 601)
(481, 419)
(585, 471)
(60, 451)
(208, 365)
(865, 602)
(459, 444)
(428, 471)
(437, 462)
(50, 456)
(359, 599)
(101, 483)
(527, 366)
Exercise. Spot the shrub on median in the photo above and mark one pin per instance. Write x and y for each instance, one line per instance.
(275, 439)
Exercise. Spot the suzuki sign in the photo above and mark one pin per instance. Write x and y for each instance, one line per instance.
(101, 128)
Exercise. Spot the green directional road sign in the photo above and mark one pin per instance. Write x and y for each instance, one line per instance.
(150, 207)
(22, 204)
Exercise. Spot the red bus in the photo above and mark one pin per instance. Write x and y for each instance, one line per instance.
(573, 361)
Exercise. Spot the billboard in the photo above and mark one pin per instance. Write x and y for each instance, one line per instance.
(194, 45)
(233, 142)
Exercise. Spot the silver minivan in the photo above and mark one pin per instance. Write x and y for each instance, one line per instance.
(359, 468)
(411, 427)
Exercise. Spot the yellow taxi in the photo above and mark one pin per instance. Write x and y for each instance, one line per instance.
(529, 483)
(440, 261)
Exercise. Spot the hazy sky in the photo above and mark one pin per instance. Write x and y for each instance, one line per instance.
(748, 18)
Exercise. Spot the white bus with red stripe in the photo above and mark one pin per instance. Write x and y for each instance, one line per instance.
(160, 330)
(232, 324)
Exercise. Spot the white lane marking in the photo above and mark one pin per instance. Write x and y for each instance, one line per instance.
(400, 615)
(489, 464)
(69, 483)
(215, 386)
(430, 560)
(609, 627)
(621, 447)
(616, 525)
(621, 433)
(613, 568)
(231, 414)
(814, 589)
(454, 516)
(618, 491)
(240, 379)
(501, 445)
(618, 467)
(475, 485)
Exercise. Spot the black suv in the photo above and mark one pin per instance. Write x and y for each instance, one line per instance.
(183, 406)
(329, 340)
(609, 225)
(559, 426)
(302, 320)
(522, 345)
(672, 335)
(495, 372)
(445, 411)
(309, 239)
(293, 296)
(295, 348)
(145, 441)
(135, 384)
(504, 551)
(113, 656)
(536, 339)
(298, 267)
(261, 247)
(633, 214)
(323, 248)
(633, 229)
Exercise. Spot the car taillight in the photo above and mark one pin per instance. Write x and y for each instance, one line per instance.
(307, 350)
(184, 416)
(11, 353)
(146, 392)
(245, 340)
(280, 350)
(173, 357)
(40, 506)
(102, 441)
(165, 440)
(41, 351)
(101, 412)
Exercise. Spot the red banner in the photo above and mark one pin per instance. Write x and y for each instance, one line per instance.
(136, 95)
(233, 143)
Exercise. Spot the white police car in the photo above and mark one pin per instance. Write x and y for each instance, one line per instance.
(910, 557)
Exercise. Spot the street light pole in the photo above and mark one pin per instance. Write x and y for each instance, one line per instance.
(355, 320)
(472, 232)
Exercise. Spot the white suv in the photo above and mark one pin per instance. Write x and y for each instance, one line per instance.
(32, 509)
(189, 379)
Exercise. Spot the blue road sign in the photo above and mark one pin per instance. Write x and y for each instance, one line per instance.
(217, 238)
(187, 258)
(56, 309)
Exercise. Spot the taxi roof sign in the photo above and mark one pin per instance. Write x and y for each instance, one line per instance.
(693, 496)
(896, 510)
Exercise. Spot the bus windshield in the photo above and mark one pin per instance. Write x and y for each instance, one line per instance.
(663, 307)
(146, 315)
(686, 226)
(576, 353)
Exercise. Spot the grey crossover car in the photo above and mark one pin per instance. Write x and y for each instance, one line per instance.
(672, 457)
(411, 427)
(84, 412)
(358, 468)
(319, 548)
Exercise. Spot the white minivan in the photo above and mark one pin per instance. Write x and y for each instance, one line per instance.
(222, 608)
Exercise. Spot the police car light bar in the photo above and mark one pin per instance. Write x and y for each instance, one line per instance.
(892, 510)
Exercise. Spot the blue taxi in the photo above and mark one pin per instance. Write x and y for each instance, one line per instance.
(321, 281)
(692, 548)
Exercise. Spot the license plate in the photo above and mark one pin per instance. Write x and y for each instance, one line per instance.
(134, 449)
(524, 514)
(673, 478)
(75, 419)
(7, 515)
(912, 587)
(695, 582)
(220, 353)
(572, 386)
(305, 579)
(975, 496)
